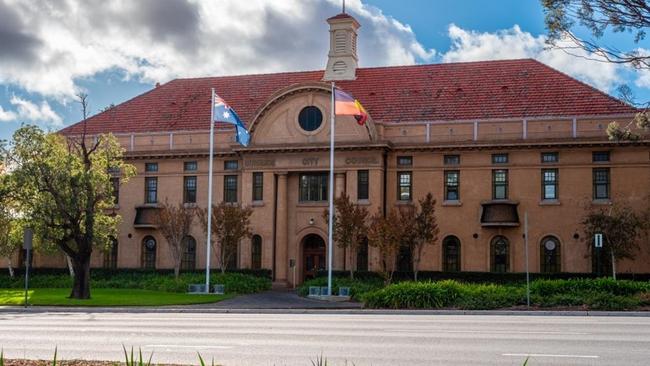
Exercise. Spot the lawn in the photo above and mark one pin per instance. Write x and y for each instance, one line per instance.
(106, 297)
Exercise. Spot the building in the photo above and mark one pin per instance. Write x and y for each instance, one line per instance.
(491, 140)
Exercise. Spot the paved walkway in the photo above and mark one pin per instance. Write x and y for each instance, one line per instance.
(278, 300)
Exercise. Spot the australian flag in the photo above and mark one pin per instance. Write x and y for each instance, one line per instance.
(222, 112)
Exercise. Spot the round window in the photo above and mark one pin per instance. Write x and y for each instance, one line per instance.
(150, 243)
(310, 118)
(550, 245)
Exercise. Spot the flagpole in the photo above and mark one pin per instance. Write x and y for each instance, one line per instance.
(207, 255)
(330, 238)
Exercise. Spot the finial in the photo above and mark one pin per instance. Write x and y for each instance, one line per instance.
(343, 6)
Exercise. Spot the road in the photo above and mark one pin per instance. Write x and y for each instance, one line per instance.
(359, 339)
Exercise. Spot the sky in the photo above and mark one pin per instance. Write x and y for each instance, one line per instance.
(114, 50)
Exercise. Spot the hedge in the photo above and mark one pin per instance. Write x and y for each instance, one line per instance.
(596, 294)
(239, 283)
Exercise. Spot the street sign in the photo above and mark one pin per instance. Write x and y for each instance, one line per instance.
(27, 238)
(598, 240)
(28, 235)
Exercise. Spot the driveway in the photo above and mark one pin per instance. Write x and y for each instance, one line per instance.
(278, 300)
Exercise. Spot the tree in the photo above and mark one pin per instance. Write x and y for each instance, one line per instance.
(350, 227)
(425, 230)
(383, 234)
(600, 16)
(620, 226)
(230, 224)
(64, 192)
(174, 223)
(10, 236)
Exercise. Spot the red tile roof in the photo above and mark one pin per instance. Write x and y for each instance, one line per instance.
(452, 91)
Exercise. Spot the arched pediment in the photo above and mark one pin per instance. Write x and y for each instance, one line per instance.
(276, 122)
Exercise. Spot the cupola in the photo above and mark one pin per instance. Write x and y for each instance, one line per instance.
(342, 60)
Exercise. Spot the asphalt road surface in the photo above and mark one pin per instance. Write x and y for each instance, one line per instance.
(360, 339)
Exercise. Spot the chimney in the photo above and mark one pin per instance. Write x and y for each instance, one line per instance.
(342, 60)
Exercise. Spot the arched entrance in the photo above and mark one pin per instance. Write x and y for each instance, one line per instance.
(313, 255)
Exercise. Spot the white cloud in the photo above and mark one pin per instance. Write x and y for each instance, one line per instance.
(7, 116)
(513, 43)
(29, 111)
(643, 79)
(57, 43)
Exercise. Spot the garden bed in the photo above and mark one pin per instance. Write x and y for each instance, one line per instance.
(546, 294)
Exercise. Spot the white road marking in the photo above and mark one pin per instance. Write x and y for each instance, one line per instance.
(482, 332)
(547, 355)
(184, 346)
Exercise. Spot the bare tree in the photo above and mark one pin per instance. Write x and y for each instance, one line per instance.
(600, 16)
(383, 234)
(230, 224)
(425, 229)
(350, 227)
(620, 227)
(175, 222)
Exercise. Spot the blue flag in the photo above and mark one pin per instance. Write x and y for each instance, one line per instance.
(222, 112)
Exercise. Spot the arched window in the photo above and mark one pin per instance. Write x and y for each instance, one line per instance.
(500, 254)
(256, 252)
(451, 254)
(549, 254)
(148, 252)
(188, 260)
(362, 255)
(110, 256)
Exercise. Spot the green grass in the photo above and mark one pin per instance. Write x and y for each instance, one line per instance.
(105, 297)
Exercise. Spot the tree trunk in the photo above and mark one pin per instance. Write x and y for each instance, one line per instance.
(10, 267)
(70, 268)
(177, 271)
(351, 266)
(81, 284)
(613, 265)
(416, 262)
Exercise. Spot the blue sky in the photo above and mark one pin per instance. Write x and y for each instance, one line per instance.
(116, 50)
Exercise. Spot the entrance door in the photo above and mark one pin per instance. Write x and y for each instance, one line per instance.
(313, 255)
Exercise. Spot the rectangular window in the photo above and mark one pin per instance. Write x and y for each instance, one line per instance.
(452, 185)
(550, 157)
(499, 158)
(404, 161)
(151, 190)
(189, 189)
(231, 165)
(115, 185)
(313, 187)
(601, 183)
(190, 166)
(500, 184)
(230, 188)
(404, 186)
(258, 186)
(600, 156)
(363, 184)
(452, 160)
(549, 184)
(150, 167)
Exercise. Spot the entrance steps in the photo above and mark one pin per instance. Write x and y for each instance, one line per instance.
(280, 286)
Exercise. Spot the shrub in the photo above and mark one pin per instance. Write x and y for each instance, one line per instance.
(147, 280)
(415, 295)
(490, 296)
